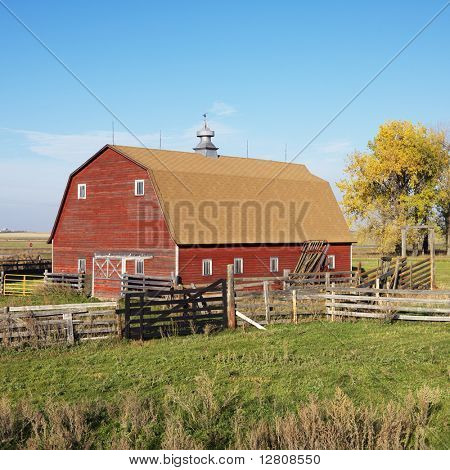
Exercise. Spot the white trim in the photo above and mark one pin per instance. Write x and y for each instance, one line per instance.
(124, 266)
(52, 254)
(136, 183)
(79, 270)
(80, 185)
(209, 260)
(177, 260)
(277, 264)
(331, 259)
(93, 276)
(351, 256)
(127, 257)
(241, 271)
(136, 261)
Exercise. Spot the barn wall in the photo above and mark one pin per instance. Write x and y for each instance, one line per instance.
(112, 218)
(256, 260)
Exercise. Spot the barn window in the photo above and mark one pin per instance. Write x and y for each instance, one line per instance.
(82, 191)
(82, 265)
(274, 264)
(238, 265)
(207, 267)
(139, 266)
(331, 261)
(139, 187)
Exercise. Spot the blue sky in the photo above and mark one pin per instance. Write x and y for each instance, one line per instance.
(272, 73)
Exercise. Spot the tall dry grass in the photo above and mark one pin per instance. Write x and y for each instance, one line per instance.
(206, 419)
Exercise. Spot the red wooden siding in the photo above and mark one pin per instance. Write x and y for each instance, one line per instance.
(112, 219)
(256, 260)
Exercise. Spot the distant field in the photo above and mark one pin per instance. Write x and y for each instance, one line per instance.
(16, 244)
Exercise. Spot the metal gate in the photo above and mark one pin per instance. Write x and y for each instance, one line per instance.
(21, 284)
(182, 312)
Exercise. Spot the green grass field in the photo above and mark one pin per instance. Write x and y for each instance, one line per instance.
(239, 377)
(442, 267)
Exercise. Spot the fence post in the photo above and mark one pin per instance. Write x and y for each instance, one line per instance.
(403, 242)
(2, 277)
(8, 322)
(119, 324)
(410, 275)
(266, 300)
(432, 268)
(294, 306)
(127, 316)
(358, 274)
(327, 280)
(231, 306)
(68, 318)
(141, 316)
(286, 280)
(333, 300)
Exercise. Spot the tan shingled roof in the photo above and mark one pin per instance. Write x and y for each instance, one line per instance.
(219, 201)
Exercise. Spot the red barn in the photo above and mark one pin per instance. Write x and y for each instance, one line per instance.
(189, 214)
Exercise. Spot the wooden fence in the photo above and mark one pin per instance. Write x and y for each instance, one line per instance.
(25, 265)
(274, 305)
(45, 324)
(398, 274)
(392, 274)
(74, 281)
(187, 311)
(153, 285)
(389, 304)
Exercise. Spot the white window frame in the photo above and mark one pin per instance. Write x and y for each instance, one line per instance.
(236, 263)
(136, 185)
(137, 262)
(207, 262)
(84, 187)
(331, 261)
(276, 268)
(82, 265)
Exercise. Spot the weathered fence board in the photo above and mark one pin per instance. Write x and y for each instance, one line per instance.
(158, 286)
(185, 312)
(73, 280)
(43, 324)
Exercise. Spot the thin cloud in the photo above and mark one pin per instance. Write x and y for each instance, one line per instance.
(76, 147)
(219, 108)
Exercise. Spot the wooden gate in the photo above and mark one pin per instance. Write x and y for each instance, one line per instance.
(186, 311)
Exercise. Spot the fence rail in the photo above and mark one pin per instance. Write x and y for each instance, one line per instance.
(185, 312)
(272, 305)
(21, 265)
(43, 324)
(74, 281)
(21, 284)
(152, 285)
(389, 304)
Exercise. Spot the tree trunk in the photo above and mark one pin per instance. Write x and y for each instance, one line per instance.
(448, 232)
(425, 244)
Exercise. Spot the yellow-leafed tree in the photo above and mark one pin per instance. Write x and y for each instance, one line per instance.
(397, 181)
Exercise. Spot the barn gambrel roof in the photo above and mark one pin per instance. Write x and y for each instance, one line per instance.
(234, 200)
